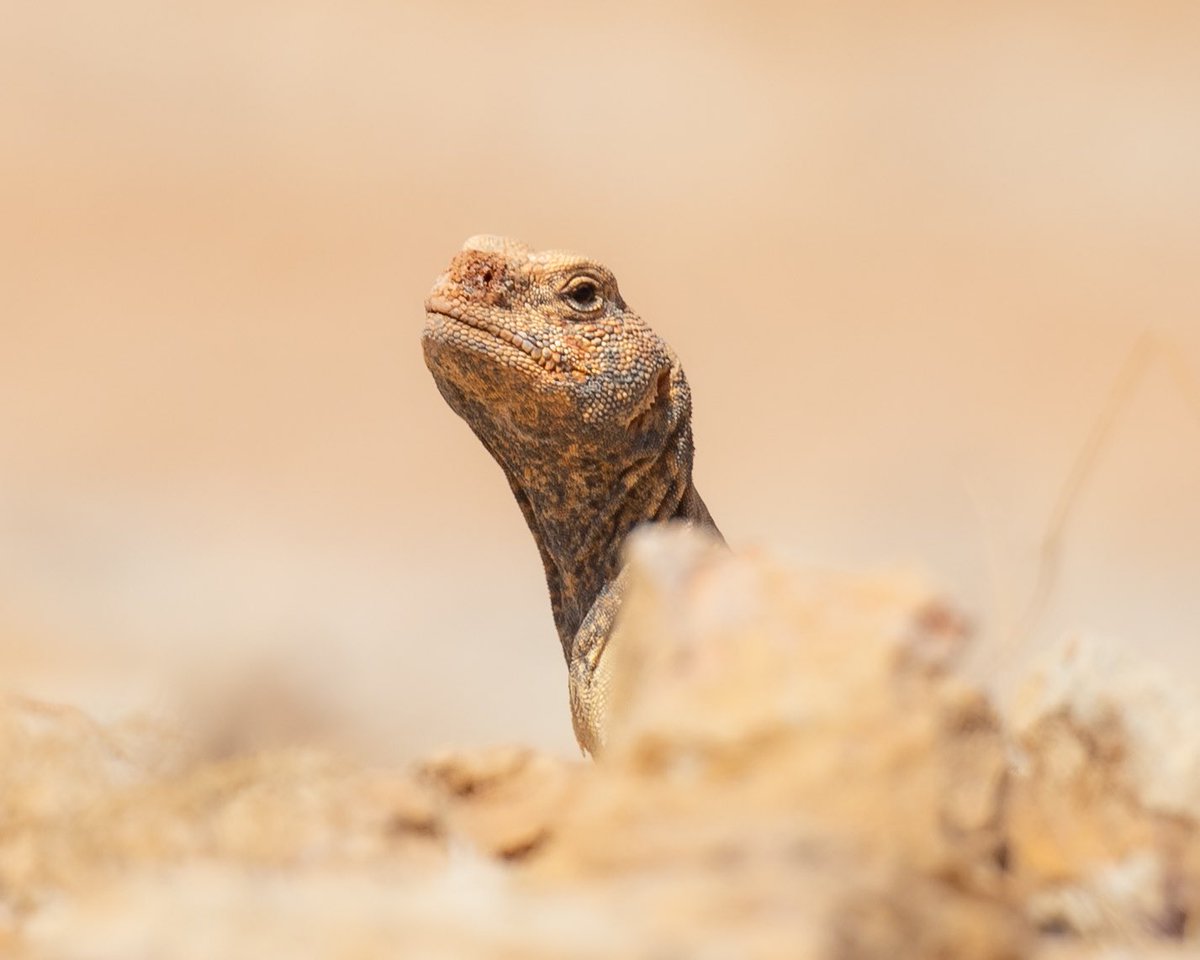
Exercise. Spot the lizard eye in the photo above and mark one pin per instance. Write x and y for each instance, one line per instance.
(583, 294)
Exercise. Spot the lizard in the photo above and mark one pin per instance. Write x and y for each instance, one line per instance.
(589, 415)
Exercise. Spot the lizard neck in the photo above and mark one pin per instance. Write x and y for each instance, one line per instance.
(581, 510)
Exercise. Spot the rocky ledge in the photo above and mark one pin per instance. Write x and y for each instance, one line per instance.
(797, 767)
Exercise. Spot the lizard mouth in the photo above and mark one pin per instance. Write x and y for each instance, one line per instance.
(542, 356)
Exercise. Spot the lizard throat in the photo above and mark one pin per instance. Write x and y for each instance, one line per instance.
(580, 516)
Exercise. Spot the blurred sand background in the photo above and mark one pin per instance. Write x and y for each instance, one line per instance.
(903, 251)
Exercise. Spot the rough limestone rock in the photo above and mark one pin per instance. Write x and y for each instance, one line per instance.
(793, 760)
(1106, 794)
(795, 768)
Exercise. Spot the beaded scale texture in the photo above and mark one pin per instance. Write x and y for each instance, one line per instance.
(588, 413)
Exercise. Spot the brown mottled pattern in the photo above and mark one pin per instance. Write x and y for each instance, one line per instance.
(587, 411)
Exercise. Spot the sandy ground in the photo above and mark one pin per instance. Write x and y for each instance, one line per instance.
(904, 254)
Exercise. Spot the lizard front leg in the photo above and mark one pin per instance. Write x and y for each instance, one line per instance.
(589, 671)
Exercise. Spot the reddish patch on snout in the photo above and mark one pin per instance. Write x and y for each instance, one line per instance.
(481, 276)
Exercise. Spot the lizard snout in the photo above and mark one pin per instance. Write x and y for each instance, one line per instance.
(478, 276)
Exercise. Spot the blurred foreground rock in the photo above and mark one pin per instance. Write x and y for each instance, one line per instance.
(795, 769)
(1106, 795)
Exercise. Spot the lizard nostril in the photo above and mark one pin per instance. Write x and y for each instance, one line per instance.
(480, 277)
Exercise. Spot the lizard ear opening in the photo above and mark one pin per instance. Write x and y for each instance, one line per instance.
(654, 405)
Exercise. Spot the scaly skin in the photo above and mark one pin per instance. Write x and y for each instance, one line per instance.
(588, 413)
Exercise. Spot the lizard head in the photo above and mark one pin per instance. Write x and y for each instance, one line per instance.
(540, 349)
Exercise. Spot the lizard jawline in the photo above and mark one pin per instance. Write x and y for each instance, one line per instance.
(516, 341)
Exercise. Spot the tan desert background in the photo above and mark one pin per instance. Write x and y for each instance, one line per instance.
(909, 255)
